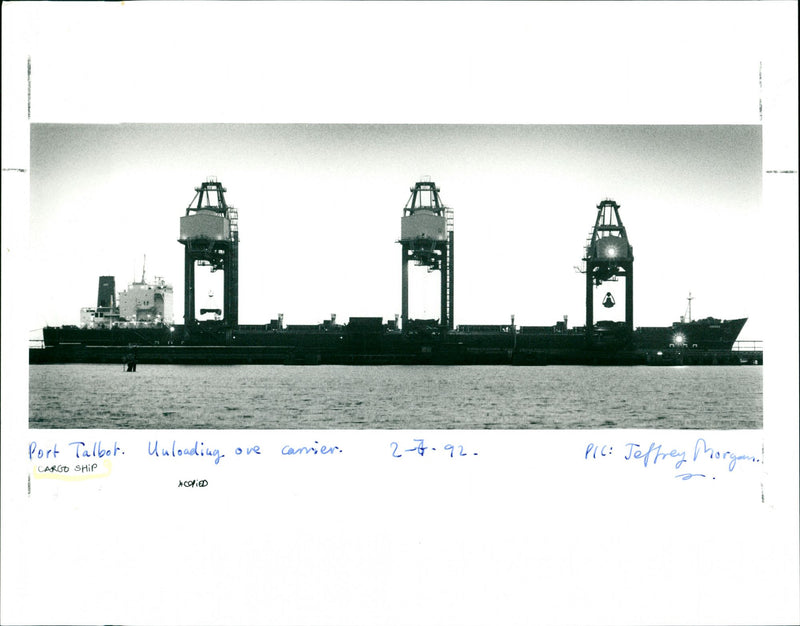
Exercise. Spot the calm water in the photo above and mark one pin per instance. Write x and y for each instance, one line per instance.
(345, 397)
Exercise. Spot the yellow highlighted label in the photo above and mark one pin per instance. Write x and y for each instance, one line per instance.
(72, 473)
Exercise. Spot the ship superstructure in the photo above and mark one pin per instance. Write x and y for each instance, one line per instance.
(147, 303)
(142, 304)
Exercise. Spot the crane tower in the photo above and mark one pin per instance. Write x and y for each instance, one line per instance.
(608, 255)
(210, 234)
(426, 236)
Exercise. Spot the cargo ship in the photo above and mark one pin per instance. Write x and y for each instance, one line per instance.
(139, 323)
(371, 341)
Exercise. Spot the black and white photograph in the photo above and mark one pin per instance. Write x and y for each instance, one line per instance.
(391, 313)
(145, 265)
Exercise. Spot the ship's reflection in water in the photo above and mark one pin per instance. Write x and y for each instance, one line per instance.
(395, 397)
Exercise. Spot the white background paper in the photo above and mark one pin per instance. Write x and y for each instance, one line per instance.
(527, 531)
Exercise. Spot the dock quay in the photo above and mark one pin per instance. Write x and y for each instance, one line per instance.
(434, 354)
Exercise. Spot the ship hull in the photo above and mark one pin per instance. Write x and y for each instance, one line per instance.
(686, 343)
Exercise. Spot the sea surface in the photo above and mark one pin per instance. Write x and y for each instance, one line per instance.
(394, 397)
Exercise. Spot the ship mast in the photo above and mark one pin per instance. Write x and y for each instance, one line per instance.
(689, 307)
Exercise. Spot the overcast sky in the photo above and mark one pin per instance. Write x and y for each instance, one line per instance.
(320, 207)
